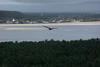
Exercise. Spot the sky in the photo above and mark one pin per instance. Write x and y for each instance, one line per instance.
(51, 5)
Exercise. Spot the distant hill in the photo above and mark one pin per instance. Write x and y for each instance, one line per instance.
(11, 14)
(48, 17)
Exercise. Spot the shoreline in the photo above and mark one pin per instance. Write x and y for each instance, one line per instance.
(69, 23)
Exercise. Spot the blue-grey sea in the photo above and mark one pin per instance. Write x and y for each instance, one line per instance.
(40, 33)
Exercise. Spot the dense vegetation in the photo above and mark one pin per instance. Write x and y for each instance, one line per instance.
(78, 53)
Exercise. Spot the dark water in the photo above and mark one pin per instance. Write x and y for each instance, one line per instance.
(38, 33)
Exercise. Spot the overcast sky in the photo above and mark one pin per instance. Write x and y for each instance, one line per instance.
(51, 5)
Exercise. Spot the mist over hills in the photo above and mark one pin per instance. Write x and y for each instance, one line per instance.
(17, 14)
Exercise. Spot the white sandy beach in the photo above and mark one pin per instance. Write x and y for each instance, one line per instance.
(69, 23)
(13, 26)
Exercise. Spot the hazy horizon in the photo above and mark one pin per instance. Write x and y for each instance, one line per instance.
(51, 5)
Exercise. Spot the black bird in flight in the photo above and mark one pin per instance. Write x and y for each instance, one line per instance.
(50, 28)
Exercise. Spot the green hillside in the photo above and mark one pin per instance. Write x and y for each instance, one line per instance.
(11, 14)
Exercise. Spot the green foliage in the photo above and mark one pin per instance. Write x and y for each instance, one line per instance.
(78, 53)
(10, 14)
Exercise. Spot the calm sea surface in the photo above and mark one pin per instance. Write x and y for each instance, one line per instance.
(38, 33)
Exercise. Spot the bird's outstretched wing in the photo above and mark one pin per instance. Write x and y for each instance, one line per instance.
(46, 26)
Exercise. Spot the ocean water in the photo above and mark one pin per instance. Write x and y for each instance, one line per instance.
(40, 33)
